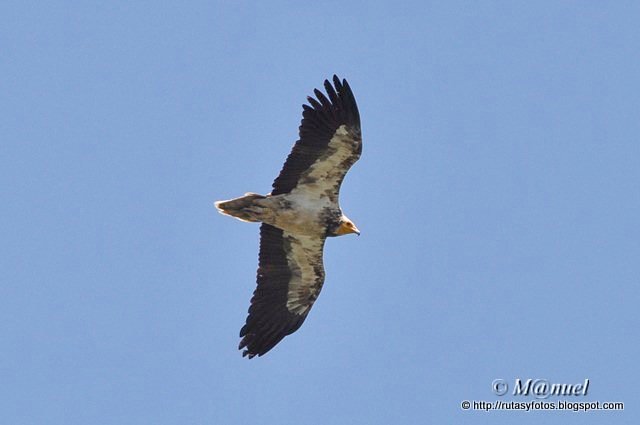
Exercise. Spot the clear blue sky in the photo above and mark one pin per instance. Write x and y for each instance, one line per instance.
(498, 196)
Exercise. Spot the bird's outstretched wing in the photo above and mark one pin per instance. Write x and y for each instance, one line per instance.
(290, 276)
(330, 143)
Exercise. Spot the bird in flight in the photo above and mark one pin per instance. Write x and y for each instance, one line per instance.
(298, 215)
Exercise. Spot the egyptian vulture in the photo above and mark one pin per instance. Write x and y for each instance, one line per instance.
(298, 215)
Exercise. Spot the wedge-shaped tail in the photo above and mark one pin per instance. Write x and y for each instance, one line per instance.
(244, 208)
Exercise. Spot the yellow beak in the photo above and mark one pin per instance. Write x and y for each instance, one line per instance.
(346, 228)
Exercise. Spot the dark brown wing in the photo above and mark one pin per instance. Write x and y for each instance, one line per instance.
(326, 150)
(290, 276)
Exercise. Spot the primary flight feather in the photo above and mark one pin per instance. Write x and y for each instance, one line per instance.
(298, 215)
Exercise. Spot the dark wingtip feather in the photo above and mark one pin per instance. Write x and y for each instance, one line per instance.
(336, 82)
(333, 96)
(317, 92)
(314, 103)
(326, 104)
(246, 342)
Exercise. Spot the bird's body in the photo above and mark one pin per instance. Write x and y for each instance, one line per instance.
(294, 212)
(298, 215)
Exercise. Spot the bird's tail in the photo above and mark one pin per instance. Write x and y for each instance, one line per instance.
(244, 208)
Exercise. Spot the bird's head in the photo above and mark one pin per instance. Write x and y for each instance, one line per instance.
(346, 226)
